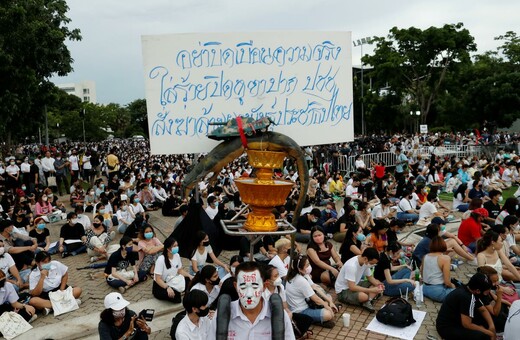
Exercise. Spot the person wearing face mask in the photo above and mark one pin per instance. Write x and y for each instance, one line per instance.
(122, 267)
(251, 314)
(305, 224)
(395, 278)
(301, 296)
(98, 240)
(82, 218)
(406, 211)
(320, 253)
(135, 206)
(9, 300)
(41, 234)
(19, 279)
(195, 325)
(200, 255)
(169, 278)
(48, 276)
(118, 322)
(207, 280)
(124, 217)
(455, 319)
(282, 259)
(61, 165)
(72, 238)
(43, 207)
(273, 285)
(349, 286)
(150, 248)
(353, 244)
(20, 247)
(493, 206)
(13, 175)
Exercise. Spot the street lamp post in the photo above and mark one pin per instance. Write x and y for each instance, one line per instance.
(415, 125)
(360, 43)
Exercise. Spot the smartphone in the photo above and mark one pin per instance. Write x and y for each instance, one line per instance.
(147, 314)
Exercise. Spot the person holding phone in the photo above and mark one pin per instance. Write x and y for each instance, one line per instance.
(118, 322)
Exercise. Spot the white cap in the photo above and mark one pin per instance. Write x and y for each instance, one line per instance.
(115, 301)
(124, 197)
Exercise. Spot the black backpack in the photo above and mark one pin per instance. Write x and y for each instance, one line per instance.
(396, 312)
(175, 322)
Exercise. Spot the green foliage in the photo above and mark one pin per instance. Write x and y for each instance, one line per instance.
(415, 62)
(32, 49)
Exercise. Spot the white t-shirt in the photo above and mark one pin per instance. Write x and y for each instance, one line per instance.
(202, 258)
(8, 294)
(187, 330)
(512, 328)
(211, 296)
(6, 262)
(74, 163)
(351, 271)
(282, 266)
(352, 191)
(279, 290)
(457, 200)
(297, 290)
(404, 205)
(86, 162)
(52, 281)
(85, 221)
(427, 210)
(167, 274)
(211, 212)
(138, 208)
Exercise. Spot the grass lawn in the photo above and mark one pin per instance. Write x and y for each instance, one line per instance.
(448, 196)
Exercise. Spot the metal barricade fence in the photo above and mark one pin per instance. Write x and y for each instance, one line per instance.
(347, 165)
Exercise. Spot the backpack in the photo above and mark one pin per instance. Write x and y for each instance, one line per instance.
(396, 312)
(175, 322)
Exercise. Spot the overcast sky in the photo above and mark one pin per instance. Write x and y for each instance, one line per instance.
(110, 52)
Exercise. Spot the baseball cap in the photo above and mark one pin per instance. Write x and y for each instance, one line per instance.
(115, 301)
(481, 211)
(480, 281)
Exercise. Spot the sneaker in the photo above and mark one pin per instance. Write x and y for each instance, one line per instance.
(122, 290)
(328, 324)
(65, 254)
(368, 306)
(78, 301)
(47, 311)
(94, 259)
(33, 317)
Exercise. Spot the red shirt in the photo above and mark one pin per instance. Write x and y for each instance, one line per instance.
(380, 171)
(469, 231)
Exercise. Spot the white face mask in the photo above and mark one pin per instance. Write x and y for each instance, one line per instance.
(2, 251)
(277, 282)
(233, 269)
(250, 287)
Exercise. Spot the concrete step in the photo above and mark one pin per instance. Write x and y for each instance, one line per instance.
(85, 327)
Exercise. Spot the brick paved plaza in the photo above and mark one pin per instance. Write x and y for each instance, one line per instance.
(82, 323)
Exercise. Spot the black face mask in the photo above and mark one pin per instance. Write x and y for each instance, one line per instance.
(216, 282)
(205, 244)
(202, 312)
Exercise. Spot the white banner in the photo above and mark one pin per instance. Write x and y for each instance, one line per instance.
(302, 81)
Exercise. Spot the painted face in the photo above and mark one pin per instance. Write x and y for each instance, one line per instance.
(250, 287)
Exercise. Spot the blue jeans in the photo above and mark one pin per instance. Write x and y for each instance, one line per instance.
(403, 216)
(68, 249)
(315, 314)
(401, 288)
(436, 292)
(463, 207)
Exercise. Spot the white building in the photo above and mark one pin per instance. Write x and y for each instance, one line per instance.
(85, 90)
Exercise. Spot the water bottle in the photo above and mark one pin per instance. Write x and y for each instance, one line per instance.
(417, 294)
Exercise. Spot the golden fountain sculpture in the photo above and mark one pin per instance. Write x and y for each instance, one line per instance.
(263, 193)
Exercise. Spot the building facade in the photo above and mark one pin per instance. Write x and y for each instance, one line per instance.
(85, 90)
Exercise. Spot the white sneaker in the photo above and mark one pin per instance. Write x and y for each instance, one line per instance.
(94, 259)
(47, 311)
(78, 301)
(33, 317)
(473, 262)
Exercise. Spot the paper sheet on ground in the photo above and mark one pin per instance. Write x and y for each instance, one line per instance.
(406, 333)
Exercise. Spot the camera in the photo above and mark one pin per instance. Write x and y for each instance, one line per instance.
(147, 314)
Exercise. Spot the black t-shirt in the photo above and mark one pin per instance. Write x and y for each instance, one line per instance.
(107, 331)
(74, 232)
(40, 237)
(493, 209)
(381, 266)
(21, 224)
(117, 261)
(304, 223)
(344, 250)
(458, 302)
(391, 236)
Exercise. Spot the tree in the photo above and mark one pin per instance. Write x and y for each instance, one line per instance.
(139, 117)
(415, 62)
(32, 49)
